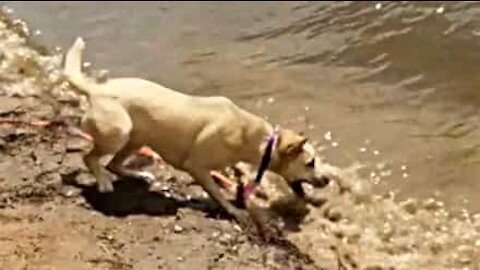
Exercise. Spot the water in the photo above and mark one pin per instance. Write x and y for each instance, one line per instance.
(392, 85)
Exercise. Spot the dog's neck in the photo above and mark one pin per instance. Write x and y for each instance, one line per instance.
(258, 143)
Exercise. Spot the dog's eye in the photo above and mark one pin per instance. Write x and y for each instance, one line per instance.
(311, 163)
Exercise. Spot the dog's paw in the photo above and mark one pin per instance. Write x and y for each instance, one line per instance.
(105, 187)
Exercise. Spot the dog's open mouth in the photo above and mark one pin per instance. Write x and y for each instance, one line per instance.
(317, 182)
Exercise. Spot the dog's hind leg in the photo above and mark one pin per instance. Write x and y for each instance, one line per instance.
(117, 167)
(109, 125)
(92, 161)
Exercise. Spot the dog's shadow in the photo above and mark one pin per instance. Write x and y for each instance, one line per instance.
(133, 197)
(130, 197)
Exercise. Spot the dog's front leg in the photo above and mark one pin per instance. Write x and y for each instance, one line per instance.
(208, 184)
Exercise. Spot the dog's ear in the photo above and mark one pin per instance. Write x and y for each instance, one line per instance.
(290, 143)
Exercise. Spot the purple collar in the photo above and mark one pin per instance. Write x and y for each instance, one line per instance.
(244, 191)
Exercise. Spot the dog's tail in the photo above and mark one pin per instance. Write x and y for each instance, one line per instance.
(73, 68)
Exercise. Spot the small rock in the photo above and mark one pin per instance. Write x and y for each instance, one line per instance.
(328, 136)
(165, 188)
(432, 204)
(178, 229)
(237, 228)
(156, 186)
(337, 232)
(70, 192)
(410, 205)
(465, 254)
(387, 232)
(333, 215)
(436, 247)
(225, 239)
(180, 259)
(216, 234)
(352, 232)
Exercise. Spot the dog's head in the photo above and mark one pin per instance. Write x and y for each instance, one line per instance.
(296, 159)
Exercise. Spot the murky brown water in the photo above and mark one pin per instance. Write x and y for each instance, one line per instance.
(392, 85)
